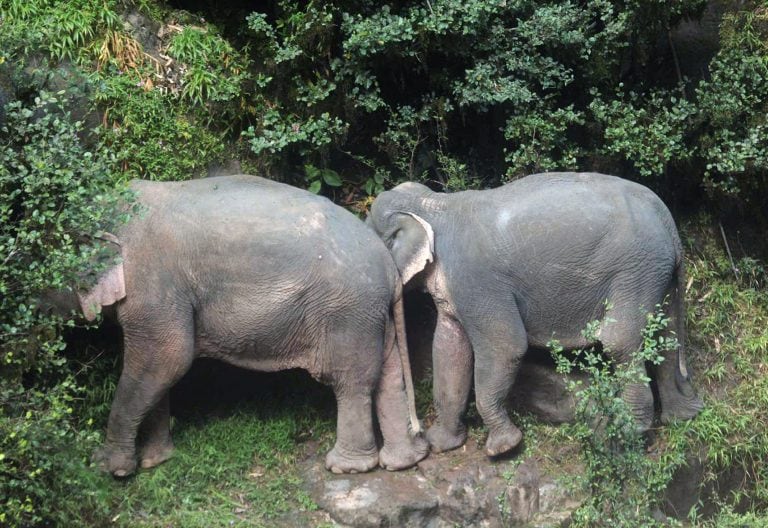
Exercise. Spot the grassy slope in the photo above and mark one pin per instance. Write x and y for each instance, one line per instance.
(238, 437)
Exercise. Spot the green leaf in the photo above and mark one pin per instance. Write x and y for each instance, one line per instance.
(331, 178)
(315, 186)
(312, 172)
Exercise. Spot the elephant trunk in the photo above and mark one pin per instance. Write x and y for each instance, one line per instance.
(402, 346)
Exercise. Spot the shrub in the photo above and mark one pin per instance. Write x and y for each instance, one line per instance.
(624, 484)
(54, 195)
(465, 81)
(62, 30)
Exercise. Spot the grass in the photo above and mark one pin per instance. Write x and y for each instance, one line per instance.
(240, 437)
(728, 347)
(228, 470)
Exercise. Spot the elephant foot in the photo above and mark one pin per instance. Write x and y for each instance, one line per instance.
(682, 408)
(111, 460)
(442, 439)
(338, 461)
(402, 456)
(154, 455)
(643, 423)
(501, 441)
(640, 400)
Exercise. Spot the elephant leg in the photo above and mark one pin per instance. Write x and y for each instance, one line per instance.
(154, 360)
(156, 432)
(621, 336)
(355, 368)
(355, 449)
(499, 342)
(452, 381)
(401, 449)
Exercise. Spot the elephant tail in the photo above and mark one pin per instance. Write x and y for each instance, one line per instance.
(677, 313)
(683, 403)
(402, 346)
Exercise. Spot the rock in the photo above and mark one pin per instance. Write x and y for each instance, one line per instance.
(551, 497)
(683, 492)
(541, 391)
(459, 488)
(697, 41)
(691, 486)
(523, 495)
(375, 499)
(144, 30)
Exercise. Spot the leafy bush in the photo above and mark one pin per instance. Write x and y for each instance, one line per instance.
(649, 132)
(624, 484)
(54, 194)
(214, 73)
(465, 81)
(734, 105)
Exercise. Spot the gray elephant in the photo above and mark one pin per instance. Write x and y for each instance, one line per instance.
(265, 276)
(536, 259)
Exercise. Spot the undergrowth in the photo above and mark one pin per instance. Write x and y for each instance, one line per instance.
(623, 485)
(727, 321)
(240, 437)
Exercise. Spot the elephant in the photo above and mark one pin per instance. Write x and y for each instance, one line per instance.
(264, 276)
(536, 259)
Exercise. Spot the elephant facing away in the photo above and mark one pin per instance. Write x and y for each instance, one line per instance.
(534, 260)
(264, 276)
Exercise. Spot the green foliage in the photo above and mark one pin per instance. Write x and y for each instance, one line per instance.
(316, 177)
(54, 197)
(421, 80)
(624, 484)
(276, 131)
(293, 124)
(214, 72)
(730, 519)
(385, 92)
(541, 139)
(733, 102)
(54, 193)
(727, 319)
(721, 126)
(649, 132)
(63, 30)
(149, 135)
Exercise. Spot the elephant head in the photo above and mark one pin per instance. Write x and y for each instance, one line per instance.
(409, 237)
(107, 288)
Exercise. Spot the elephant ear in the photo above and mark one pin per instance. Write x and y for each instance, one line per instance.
(412, 245)
(109, 288)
